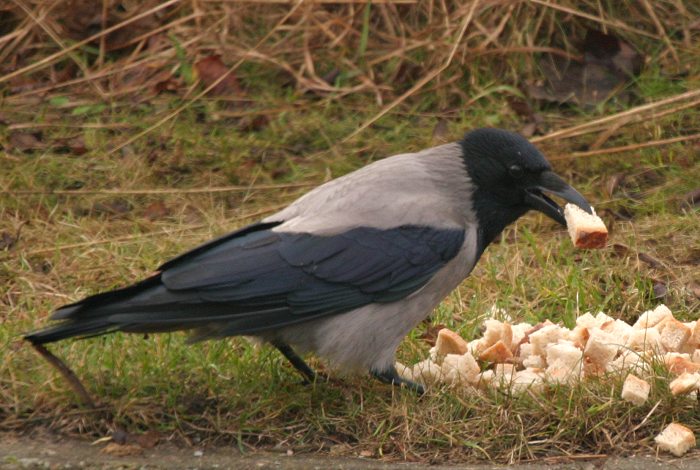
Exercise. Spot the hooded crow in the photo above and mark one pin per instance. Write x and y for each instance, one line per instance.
(347, 270)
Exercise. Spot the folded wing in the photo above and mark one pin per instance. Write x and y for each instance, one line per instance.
(259, 279)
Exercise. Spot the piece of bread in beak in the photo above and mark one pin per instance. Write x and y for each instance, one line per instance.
(586, 230)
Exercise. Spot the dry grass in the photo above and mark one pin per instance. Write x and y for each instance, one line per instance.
(165, 170)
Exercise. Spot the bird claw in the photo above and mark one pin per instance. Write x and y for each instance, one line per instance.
(391, 376)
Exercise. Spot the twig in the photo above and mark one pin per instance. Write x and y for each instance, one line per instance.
(627, 148)
(59, 42)
(660, 28)
(589, 126)
(213, 85)
(422, 82)
(597, 19)
(219, 189)
(53, 57)
(67, 374)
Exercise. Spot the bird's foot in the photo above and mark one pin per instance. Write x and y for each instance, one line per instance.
(310, 376)
(391, 376)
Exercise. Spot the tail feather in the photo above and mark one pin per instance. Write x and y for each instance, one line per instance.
(90, 316)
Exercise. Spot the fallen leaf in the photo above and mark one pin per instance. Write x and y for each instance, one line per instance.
(210, 69)
(170, 84)
(7, 241)
(26, 142)
(694, 288)
(613, 182)
(613, 53)
(660, 290)
(608, 63)
(692, 198)
(651, 261)
(148, 440)
(528, 130)
(75, 145)
(113, 207)
(331, 76)
(431, 332)
(119, 450)
(521, 107)
(156, 210)
(253, 123)
(619, 249)
(120, 436)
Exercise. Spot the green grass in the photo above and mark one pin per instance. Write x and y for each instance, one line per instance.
(234, 392)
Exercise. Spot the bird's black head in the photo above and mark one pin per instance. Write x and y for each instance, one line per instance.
(510, 177)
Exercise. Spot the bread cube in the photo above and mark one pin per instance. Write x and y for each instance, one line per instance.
(534, 361)
(618, 329)
(504, 371)
(579, 336)
(476, 346)
(498, 353)
(460, 368)
(635, 390)
(529, 378)
(685, 383)
(679, 363)
(566, 352)
(696, 356)
(587, 321)
(601, 348)
(519, 331)
(426, 372)
(674, 334)
(449, 342)
(497, 331)
(647, 339)
(631, 361)
(544, 336)
(602, 319)
(695, 333)
(560, 371)
(652, 317)
(676, 439)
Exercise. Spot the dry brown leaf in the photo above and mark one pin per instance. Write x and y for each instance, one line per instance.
(26, 141)
(156, 210)
(7, 241)
(692, 198)
(430, 333)
(608, 64)
(210, 69)
(119, 450)
(148, 440)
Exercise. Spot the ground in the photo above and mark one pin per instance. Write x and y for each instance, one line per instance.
(37, 453)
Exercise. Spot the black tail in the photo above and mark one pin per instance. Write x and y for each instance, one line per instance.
(90, 316)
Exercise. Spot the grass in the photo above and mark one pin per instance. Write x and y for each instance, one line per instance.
(233, 392)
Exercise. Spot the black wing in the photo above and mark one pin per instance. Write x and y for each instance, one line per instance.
(258, 279)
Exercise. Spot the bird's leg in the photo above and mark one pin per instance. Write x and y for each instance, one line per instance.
(391, 376)
(297, 362)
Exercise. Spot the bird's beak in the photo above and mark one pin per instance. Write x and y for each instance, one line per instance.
(551, 183)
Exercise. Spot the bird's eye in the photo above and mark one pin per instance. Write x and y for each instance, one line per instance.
(516, 171)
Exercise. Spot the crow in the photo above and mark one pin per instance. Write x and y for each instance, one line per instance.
(347, 270)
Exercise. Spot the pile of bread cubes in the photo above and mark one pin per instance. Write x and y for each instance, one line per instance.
(524, 356)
